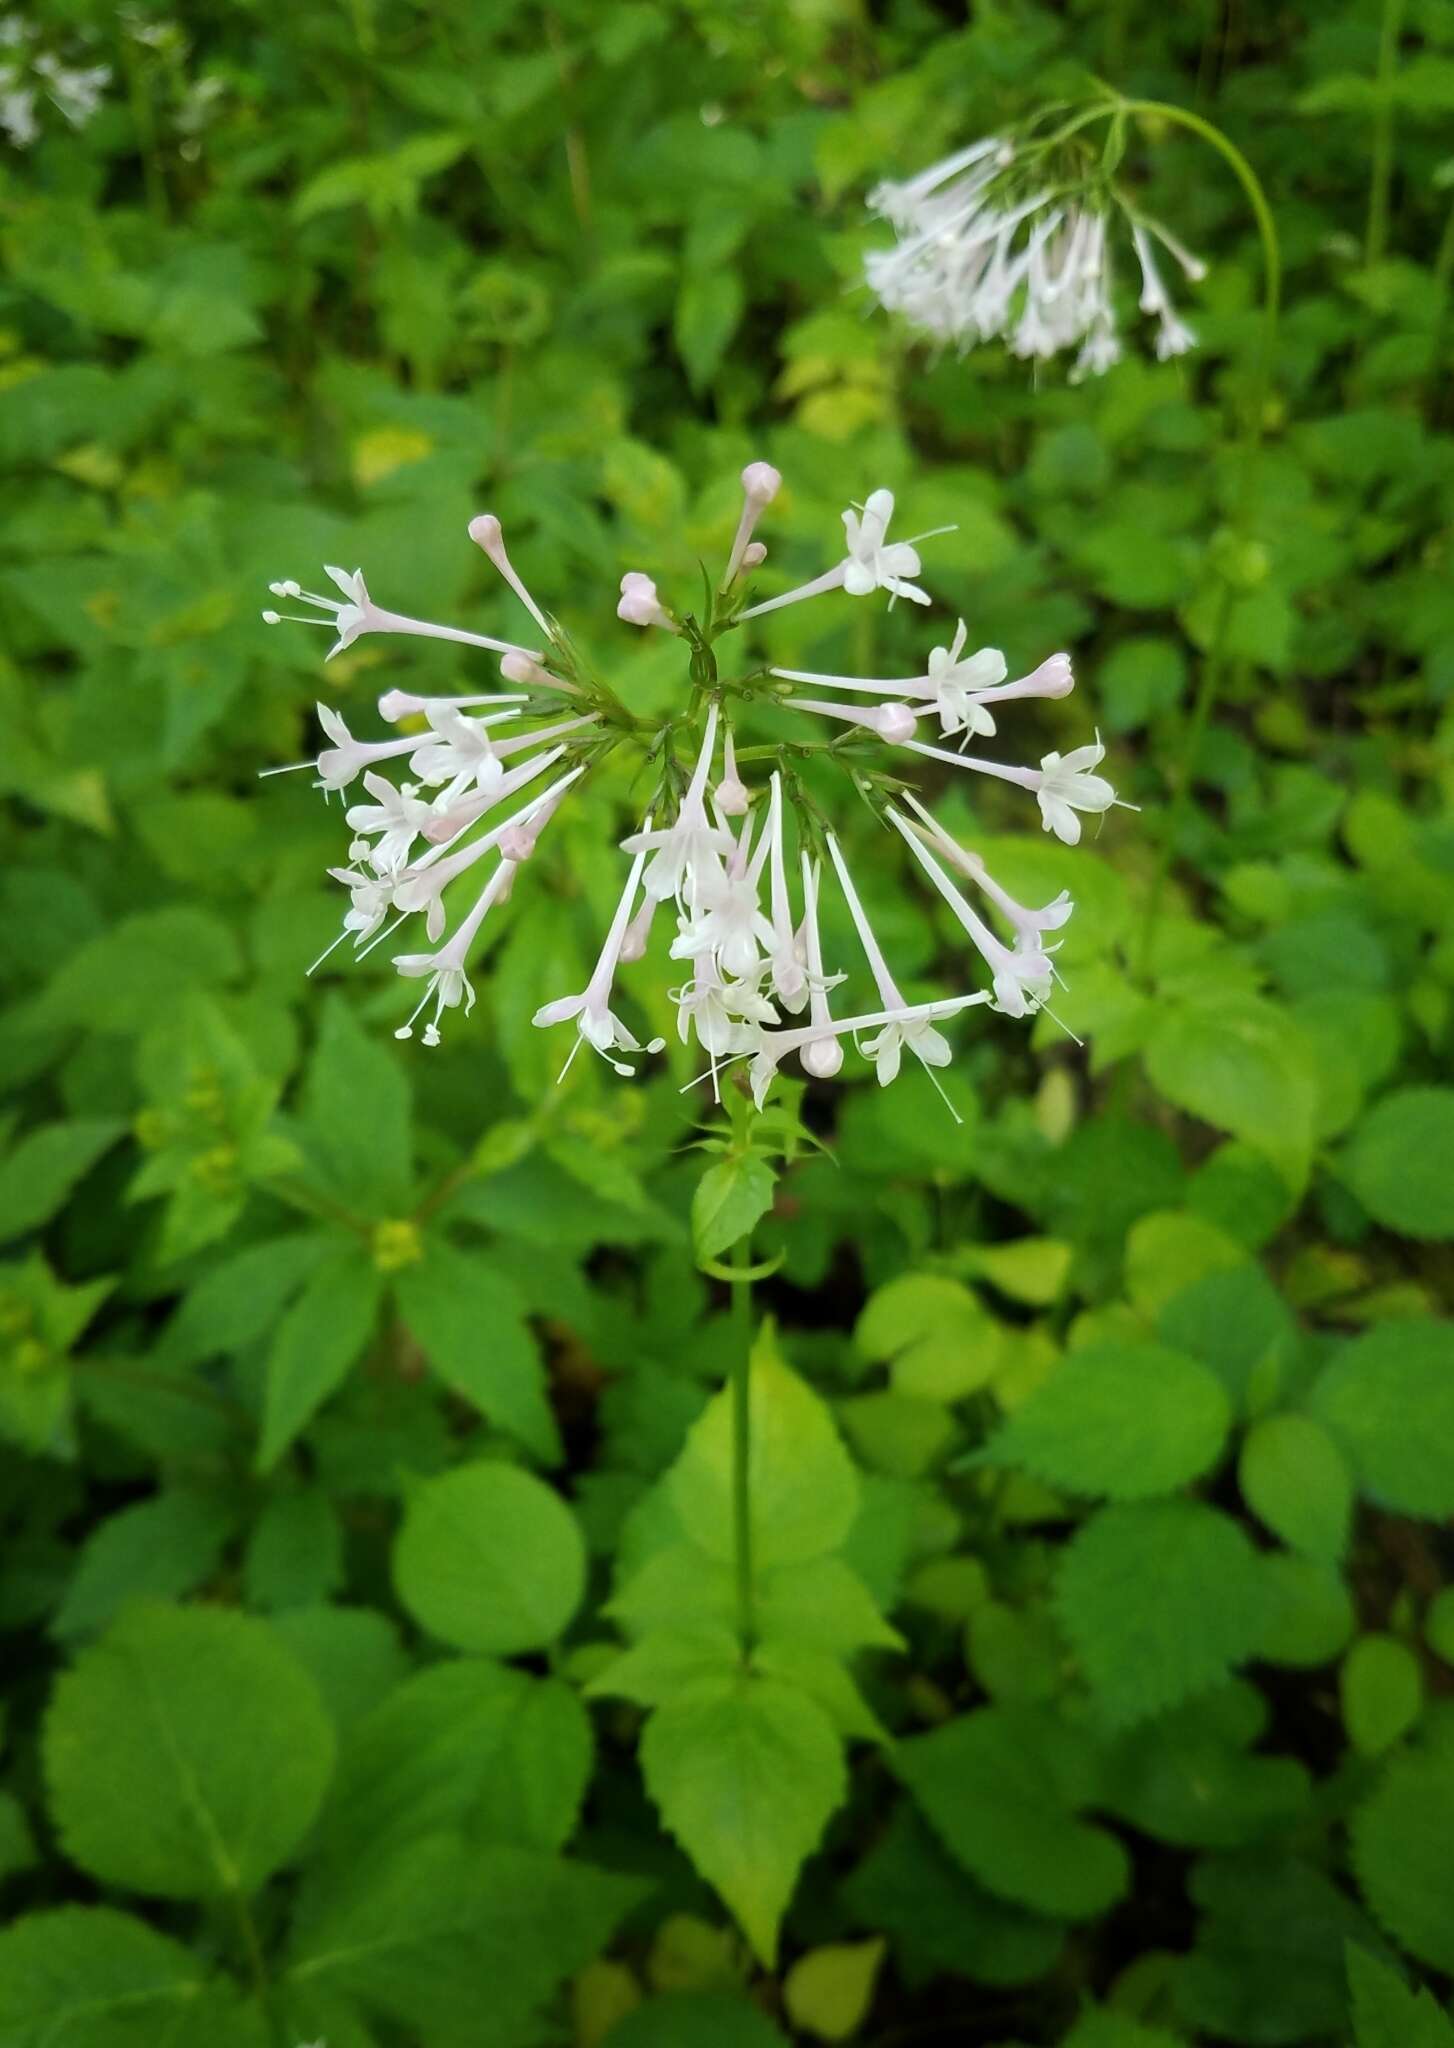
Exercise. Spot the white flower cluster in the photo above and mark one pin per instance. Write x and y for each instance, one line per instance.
(972, 263)
(487, 773)
(31, 76)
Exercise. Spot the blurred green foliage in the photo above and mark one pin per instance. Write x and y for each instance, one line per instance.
(361, 1480)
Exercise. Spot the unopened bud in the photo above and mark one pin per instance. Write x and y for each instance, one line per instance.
(895, 723)
(822, 1058)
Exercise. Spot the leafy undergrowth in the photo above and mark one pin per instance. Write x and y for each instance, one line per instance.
(373, 1622)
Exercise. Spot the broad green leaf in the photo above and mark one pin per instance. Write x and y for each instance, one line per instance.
(1267, 1965)
(1307, 1612)
(1398, 1162)
(295, 1552)
(1388, 1399)
(1439, 1624)
(186, 1754)
(1241, 1066)
(1158, 1599)
(44, 1167)
(1296, 1480)
(1004, 1790)
(352, 1654)
(467, 1746)
(437, 1933)
(468, 1318)
(829, 1990)
(935, 1335)
(490, 1558)
(1189, 1778)
(238, 1300)
(1403, 1850)
(91, 1977)
(746, 1773)
(730, 1200)
(1236, 1322)
(803, 1490)
(709, 306)
(1387, 2013)
(1124, 1420)
(358, 1115)
(161, 1548)
(938, 1917)
(316, 1341)
(1382, 1691)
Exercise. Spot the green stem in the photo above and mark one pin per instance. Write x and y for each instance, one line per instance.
(1214, 666)
(742, 1443)
(1380, 180)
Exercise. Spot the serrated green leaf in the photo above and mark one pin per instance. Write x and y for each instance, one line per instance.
(490, 1558)
(729, 1201)
(1159, 1599)
(1382, 1691)
(1386, 2012)
(746, 1774)
(1388, 1399)
(1004, 1791)
(1123, 1420)
(1403, 1850)
(152, 1746)
(1242, 1066)
(803, 1489)
(295, 1552)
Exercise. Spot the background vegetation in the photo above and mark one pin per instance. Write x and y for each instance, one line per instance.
(337, 1379)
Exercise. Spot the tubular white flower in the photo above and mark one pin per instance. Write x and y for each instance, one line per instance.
(732, 797)
(397, 704)
(785, 954)
(454, 815)
(462, 752)
(895, 723)
(596, 1023)
(688, 851)
(873, 562)
(760, 485)
(773, 1047)
(1021, 976)
(485, 531)
(899, 1026)
(958, 684)
(822, 1054)
(1028, 924)
(1067, 786)
(357, 614)
(421, 886)
(727, 920)
(448, 983)
(398, 816)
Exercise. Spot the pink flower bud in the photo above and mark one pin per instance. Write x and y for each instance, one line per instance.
(523, 668)
(822, 1058)
(640, 605)
(761, 482)
(753, 554)
(895, 723)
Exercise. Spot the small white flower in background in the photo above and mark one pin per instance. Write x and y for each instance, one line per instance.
(33, 78)
(991, 245)
(730, 830)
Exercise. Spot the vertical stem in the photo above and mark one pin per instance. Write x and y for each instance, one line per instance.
(1375, 239)
(742, 1443)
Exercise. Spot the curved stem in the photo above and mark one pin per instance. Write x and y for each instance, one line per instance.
(1213, 668)
(742, 1442)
